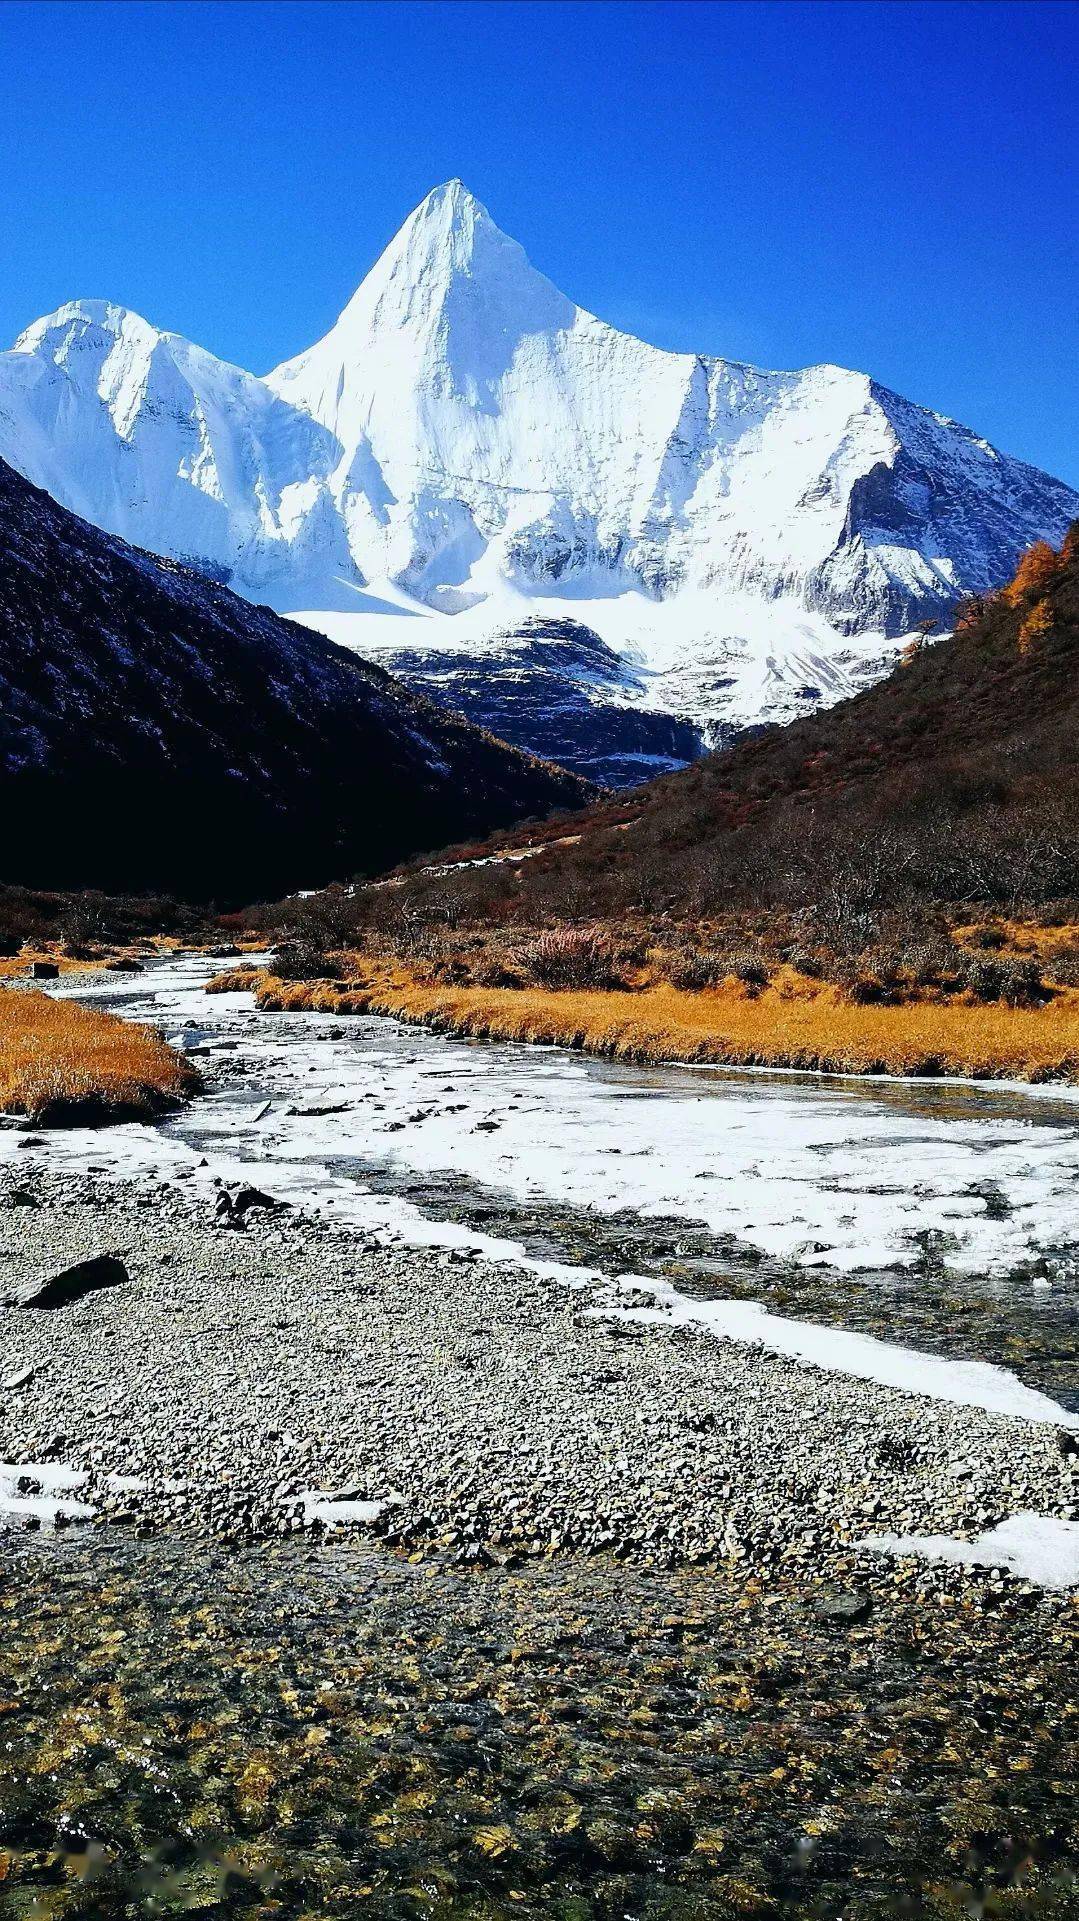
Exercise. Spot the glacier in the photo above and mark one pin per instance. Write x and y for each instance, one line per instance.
(467, 453)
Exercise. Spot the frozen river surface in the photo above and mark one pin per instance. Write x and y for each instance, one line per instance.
(942, 1187)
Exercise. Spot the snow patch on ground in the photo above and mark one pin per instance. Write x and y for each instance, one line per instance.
(842, 1351)
(1035, 1547)
(42, 1493)
(334, 1511)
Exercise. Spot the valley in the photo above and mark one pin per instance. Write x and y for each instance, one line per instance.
(539, 969)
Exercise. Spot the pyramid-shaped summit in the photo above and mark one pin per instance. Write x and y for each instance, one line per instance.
(466, 441)
(446, 304)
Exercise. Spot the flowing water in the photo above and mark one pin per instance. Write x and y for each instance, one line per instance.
(337, 1733)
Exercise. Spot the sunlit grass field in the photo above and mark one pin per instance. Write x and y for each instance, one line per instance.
(793, 1022)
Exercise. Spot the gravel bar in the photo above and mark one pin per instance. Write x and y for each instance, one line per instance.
(283, 1375)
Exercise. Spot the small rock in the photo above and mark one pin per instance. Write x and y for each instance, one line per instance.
(234, 1203)
(845, 1606)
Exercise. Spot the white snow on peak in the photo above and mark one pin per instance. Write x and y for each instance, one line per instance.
(466, 440)
(154, 439)
(449, 300)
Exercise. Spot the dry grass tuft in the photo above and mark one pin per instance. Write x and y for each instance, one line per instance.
(63, 1064)
(794, 1021)
(17, 966)
(236, 980)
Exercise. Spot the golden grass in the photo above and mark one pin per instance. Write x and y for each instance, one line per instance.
(17, 967)
(60, 1062)
(156, 947)
(795, 1022)
(1021, 936)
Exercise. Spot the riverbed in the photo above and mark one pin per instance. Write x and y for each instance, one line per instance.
(336, 1732)
(588, 1497)
(935, 1217)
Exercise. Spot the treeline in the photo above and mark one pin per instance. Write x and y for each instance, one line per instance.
(82, 923)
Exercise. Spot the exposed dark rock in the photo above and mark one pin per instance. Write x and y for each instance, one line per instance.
(233, 1204)
(556, 689)
(71, 1283)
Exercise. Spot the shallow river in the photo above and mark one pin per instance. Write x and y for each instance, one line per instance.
(939, 1217)
(297, 1733)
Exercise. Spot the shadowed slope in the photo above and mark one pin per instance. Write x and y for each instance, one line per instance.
(158, 731)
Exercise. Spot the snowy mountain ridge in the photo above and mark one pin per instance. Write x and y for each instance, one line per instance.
(466, 447)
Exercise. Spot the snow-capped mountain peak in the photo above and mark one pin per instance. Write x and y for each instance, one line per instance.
(158, 441)
(441, 314)
(466, 441)
(58, 334)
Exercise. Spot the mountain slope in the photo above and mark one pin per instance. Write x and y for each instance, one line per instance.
(158, 731)
(466, 448)
(553, 686)
(955, 779)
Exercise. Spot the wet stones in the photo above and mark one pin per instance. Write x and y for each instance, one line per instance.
(844, 1608)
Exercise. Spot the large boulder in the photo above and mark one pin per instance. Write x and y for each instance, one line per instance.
(70, 1283)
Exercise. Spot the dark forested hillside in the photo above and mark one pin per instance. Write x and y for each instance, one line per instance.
(156, 731)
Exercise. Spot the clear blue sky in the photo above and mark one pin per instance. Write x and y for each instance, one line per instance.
(893, 187)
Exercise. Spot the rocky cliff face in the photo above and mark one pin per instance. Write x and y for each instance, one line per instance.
(158, 731)
(554, 687)
(465, 441)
